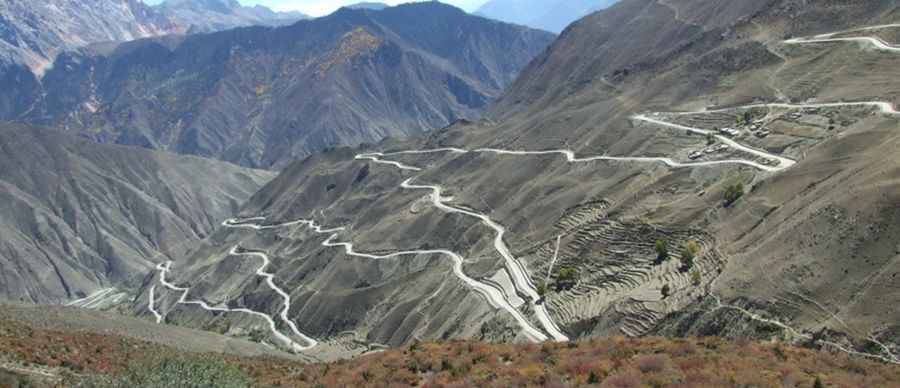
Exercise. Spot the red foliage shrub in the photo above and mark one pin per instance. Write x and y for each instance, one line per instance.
(652, 363)
(628, 378)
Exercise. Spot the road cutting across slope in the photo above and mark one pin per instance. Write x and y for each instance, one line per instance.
(783, 163)
(875, 41)
(152, 305)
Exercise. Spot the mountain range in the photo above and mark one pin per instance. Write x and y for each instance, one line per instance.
(262, 97)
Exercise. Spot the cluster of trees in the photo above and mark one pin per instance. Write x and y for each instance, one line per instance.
(689, 253)
(745, 119)
(566, 278)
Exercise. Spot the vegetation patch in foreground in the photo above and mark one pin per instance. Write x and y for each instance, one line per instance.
(90, 360)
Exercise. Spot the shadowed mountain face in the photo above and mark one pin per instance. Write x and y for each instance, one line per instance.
(262, 97)
(548, 15)
(805, 254)
(77, 216)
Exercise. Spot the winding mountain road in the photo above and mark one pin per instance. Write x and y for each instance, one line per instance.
(494, 296)
(270, 279)
(165, 268)
(516, 268)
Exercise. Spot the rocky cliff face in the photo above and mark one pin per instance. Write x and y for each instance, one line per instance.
(262, 97)
(77, 216)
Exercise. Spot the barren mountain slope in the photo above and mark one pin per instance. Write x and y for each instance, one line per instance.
(78, 217)
(805, 248)
(263, 97)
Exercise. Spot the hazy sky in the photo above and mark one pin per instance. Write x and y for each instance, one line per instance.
(324, 7)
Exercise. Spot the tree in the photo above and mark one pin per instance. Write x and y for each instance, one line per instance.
(748, 117)
(733, 193)
(541, 289)
(688, 254)
(566, 278)
(666, 291)
(662, 251)
(710, 139)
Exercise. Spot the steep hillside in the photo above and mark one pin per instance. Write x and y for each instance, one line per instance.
(263, 97)
(78, 217)
(679, 167)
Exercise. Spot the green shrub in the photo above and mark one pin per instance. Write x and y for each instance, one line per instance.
(566, 278)
(688, 254)
(541, 289)
(733, 193)
(696, 278)
(818, 383)
(662, 251)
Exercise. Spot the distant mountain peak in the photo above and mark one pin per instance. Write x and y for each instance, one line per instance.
(368, 5)
(214, 15)
(548, 15)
